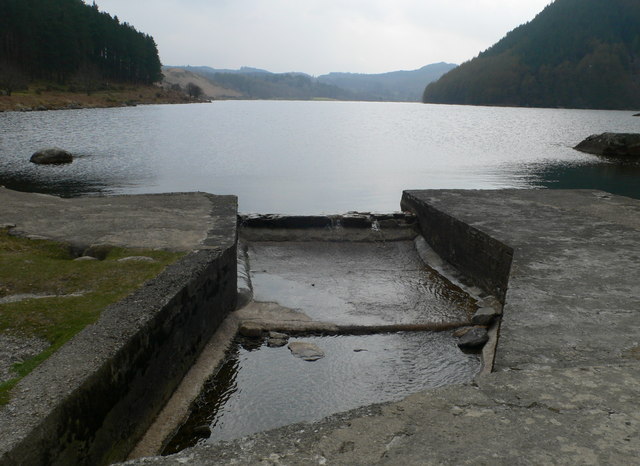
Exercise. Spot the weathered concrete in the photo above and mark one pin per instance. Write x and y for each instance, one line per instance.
(178, 221)
(568, 375)
(92, 400)
(573, 286)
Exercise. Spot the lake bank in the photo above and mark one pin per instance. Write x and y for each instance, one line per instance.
(37, 99)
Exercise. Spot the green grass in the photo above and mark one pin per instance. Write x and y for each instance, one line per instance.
(48, 268)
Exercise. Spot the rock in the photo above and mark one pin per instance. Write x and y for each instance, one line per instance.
(137, 259)
(474, 339)
(51, 156)
(277, 339)
(250, 329)
(611, 144)
(203, 431)
(306, 351)
(484, 316)
(85, 258)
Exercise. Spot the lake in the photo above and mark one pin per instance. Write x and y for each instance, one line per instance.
(311, 157)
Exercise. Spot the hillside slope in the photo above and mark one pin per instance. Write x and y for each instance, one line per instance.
(393, 86)
(181, 77)
(253, 83)
(575, 53)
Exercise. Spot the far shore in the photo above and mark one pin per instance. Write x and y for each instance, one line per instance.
(122, 96)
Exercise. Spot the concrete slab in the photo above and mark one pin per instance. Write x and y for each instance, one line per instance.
(573, 291)
(96, 396)
(176, 221)
(568, 372)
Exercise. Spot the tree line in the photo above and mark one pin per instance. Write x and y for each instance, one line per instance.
(575, 53)
(63, 40)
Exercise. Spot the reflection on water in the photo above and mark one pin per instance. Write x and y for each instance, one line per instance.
(260, 388)
(622, 178)
(309, 157)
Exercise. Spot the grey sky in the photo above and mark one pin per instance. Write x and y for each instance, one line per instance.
(319, 36)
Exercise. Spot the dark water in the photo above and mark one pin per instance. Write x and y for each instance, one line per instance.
(311, 157)
(260, 388)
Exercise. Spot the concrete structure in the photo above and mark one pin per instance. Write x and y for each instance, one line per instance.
(93, 399)
(567, 380)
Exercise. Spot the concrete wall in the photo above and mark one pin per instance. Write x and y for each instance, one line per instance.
(92, 400)
(480, 257)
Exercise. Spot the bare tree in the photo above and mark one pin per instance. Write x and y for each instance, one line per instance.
(11, 78)
(194, 90)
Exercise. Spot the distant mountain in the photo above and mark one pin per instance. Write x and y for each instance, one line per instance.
(575, 53)
(254, 83)
(392, 86)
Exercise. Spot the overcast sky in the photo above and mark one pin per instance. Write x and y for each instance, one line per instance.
(319, 36)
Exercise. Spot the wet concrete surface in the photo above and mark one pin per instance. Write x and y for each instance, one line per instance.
(363, 283)
(568, 359)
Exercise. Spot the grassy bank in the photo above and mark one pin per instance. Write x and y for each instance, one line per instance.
(47, 97)
(77, 291)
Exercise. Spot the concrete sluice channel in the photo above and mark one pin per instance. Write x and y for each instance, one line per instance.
(378, 323)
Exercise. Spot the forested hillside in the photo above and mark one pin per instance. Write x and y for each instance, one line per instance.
(63, 40)
(575, 53)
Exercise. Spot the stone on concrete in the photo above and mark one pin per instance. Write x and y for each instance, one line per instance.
(474, 339)
(484, 316)
(250, 330)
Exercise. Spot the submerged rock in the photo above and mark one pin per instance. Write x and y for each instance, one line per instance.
(277, 339)
(306, 351)
(51, 156)
(611, 144)
(474, 339)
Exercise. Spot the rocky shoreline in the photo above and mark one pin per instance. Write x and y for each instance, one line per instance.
(42, 100)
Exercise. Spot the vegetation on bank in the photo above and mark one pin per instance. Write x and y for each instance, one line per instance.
(54, 97)
(81, 290)
(69, 42)
(575, 53)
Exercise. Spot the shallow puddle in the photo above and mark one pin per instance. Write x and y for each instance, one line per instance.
(260, 387)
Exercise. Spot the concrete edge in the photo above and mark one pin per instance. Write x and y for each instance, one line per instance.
(471, 253)
(480, 257)
(352, 226)
(92, 400)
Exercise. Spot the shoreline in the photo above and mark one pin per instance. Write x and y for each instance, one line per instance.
(124, 96)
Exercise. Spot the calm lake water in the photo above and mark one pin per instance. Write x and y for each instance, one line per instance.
(311, 157)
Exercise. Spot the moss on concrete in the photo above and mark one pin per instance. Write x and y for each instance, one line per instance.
(68, 294)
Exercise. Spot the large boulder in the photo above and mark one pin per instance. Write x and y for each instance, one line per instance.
(612, 144)
(51, 156)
